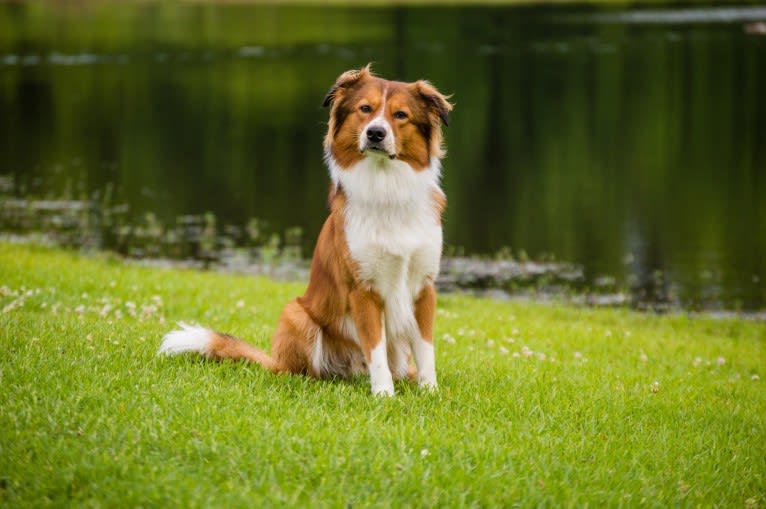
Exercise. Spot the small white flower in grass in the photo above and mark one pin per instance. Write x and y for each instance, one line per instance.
(643, 357)
(448, 338)
(79, 309)
(720, 361)
(424, 453)
(577, 356)
(10, 307)
(516, 355)
(240, 304)
(490, 343)
(655, 387)
(697, 361)
(157, 300)
(755, 377)
(541, 356)
(608, 334)
(526, 352)
(112, 284)
(503, 350)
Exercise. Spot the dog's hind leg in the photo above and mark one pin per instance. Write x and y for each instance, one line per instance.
(294, 340)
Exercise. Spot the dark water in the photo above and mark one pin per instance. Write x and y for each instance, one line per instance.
(631, 143)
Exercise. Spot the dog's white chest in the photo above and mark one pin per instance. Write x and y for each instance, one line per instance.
(392, 226)
(395, 252)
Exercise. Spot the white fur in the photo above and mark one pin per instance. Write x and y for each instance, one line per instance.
(318, 357)
(328, 361)
(189, 338)
(394, 236)
(389, 142)
(398, 358)
(380, 375)
(423, 351)
(398, 351)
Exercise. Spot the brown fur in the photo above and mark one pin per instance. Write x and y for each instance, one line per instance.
(425, 107)
(334, 290)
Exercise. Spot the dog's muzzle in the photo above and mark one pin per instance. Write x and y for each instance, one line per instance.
(376, 138)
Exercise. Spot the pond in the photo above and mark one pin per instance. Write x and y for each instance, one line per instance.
(631, 144)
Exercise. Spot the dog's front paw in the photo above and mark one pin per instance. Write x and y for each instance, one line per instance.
(383, 389)
(428, 381)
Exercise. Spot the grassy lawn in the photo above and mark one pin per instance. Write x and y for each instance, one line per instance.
(539, 405)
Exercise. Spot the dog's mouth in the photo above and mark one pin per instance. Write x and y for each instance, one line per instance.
(377, 149)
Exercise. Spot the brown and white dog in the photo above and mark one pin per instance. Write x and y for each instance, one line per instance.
(370, 301)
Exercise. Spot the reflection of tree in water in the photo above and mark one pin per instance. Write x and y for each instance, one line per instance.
(587, 141)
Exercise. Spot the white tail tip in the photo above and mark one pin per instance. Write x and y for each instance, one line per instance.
(189, 338)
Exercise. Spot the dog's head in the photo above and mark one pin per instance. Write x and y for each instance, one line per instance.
(374, 117)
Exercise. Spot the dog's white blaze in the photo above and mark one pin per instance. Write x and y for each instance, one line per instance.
(389, 142)
(380, 375)
(189, 338)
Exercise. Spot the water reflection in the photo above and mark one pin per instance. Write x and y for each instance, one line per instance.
(634, 150)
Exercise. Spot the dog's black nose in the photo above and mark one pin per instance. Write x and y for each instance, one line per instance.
(375, 133)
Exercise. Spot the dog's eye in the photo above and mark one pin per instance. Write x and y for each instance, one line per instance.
(400, 115)
(365, 108)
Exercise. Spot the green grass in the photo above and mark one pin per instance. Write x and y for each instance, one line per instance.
(539, 405)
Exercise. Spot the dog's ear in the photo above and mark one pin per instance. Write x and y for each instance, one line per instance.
(345, 81)
(437, 103)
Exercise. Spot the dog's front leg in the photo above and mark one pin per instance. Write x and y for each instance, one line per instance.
(367, 313)
(423, 346)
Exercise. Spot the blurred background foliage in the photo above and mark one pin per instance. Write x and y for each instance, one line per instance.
(631, 148)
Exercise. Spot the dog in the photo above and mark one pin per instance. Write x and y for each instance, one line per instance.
(370, 302)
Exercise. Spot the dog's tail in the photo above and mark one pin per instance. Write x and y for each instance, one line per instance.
(213, 345)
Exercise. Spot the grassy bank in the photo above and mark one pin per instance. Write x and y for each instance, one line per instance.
(538, 405)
